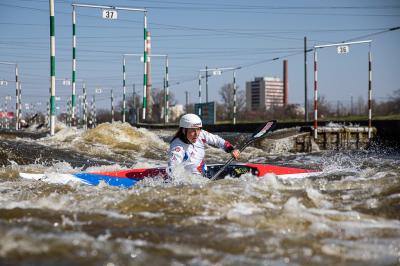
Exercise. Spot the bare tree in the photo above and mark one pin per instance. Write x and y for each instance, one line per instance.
(225, 108)
(158, 104)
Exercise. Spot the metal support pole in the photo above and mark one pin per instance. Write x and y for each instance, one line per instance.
(6, 123)
(369, 94)
(146, 79)
(315, 95)
(19, 117)
(94, 111)
(305, 82)
(234, 97)
(73, 84)
(145, 41)
(17, 103)
(52, 69)
(145, 68)
(219, 71)
(316, 80)
(85, 112)
(167, 91)
(124, 89)
(187, 101)
(112, 106)
(199, 93)
(134, 114)
(68, 117)
(206, 84)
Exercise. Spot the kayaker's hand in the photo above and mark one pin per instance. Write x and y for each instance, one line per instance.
(235, 154)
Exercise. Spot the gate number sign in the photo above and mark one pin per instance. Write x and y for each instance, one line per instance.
(110, 14)
(343, 49)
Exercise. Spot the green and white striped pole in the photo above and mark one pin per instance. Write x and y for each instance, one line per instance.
(73, 97)
(124, 89)
(145, 68)
(52, 69)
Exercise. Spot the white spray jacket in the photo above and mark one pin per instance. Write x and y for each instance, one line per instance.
(192, 155)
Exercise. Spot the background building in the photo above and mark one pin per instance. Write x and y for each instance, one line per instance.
(265, 92)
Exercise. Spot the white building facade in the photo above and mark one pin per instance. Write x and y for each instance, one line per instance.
(265, 92)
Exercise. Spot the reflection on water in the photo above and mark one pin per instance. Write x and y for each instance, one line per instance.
(348, 215)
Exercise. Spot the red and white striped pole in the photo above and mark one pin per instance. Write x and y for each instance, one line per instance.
(369, 94)
(315, 95)
(199, 94)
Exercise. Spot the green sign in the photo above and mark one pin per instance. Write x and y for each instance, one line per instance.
(207, 112)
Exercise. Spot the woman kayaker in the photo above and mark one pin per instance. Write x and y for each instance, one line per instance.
(187, 147)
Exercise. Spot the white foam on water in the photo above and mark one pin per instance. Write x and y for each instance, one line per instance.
(375, 251)
(150, 214)
(318, 199)
(242, 209)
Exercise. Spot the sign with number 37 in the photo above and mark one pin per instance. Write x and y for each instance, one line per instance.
(110, 14)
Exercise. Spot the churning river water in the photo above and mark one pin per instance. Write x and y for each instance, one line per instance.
(347, 215)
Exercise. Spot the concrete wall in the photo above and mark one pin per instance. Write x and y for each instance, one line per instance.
(387, 130)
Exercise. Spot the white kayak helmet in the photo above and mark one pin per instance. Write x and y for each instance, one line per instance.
(190, 121)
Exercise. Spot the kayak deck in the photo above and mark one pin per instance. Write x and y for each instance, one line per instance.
(128, 178)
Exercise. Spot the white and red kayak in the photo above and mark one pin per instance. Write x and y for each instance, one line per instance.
(128, 178)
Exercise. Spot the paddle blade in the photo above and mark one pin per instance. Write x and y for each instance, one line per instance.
(268, 127)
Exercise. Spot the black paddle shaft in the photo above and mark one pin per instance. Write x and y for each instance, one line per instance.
(270, 125)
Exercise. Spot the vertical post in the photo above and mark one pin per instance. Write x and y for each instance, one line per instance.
(145, 68)
(6, 110)
(149, 98)
(234, 97)
(199, 93)
(17, 110)
(19, 117)
(94, 111)
(167, 89)
(73, 84)
(315, 95)
(369, 94)
(67, 119)
(85, 112)
(164, 107)
(52, 69)
(124, 89)
(48, 114)
(79, 112)
(133, 95)
(206, 84)
(112, 106)
(351, 105)
(134, 113)
(285, 83)
(305, 82)
(187, 101)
